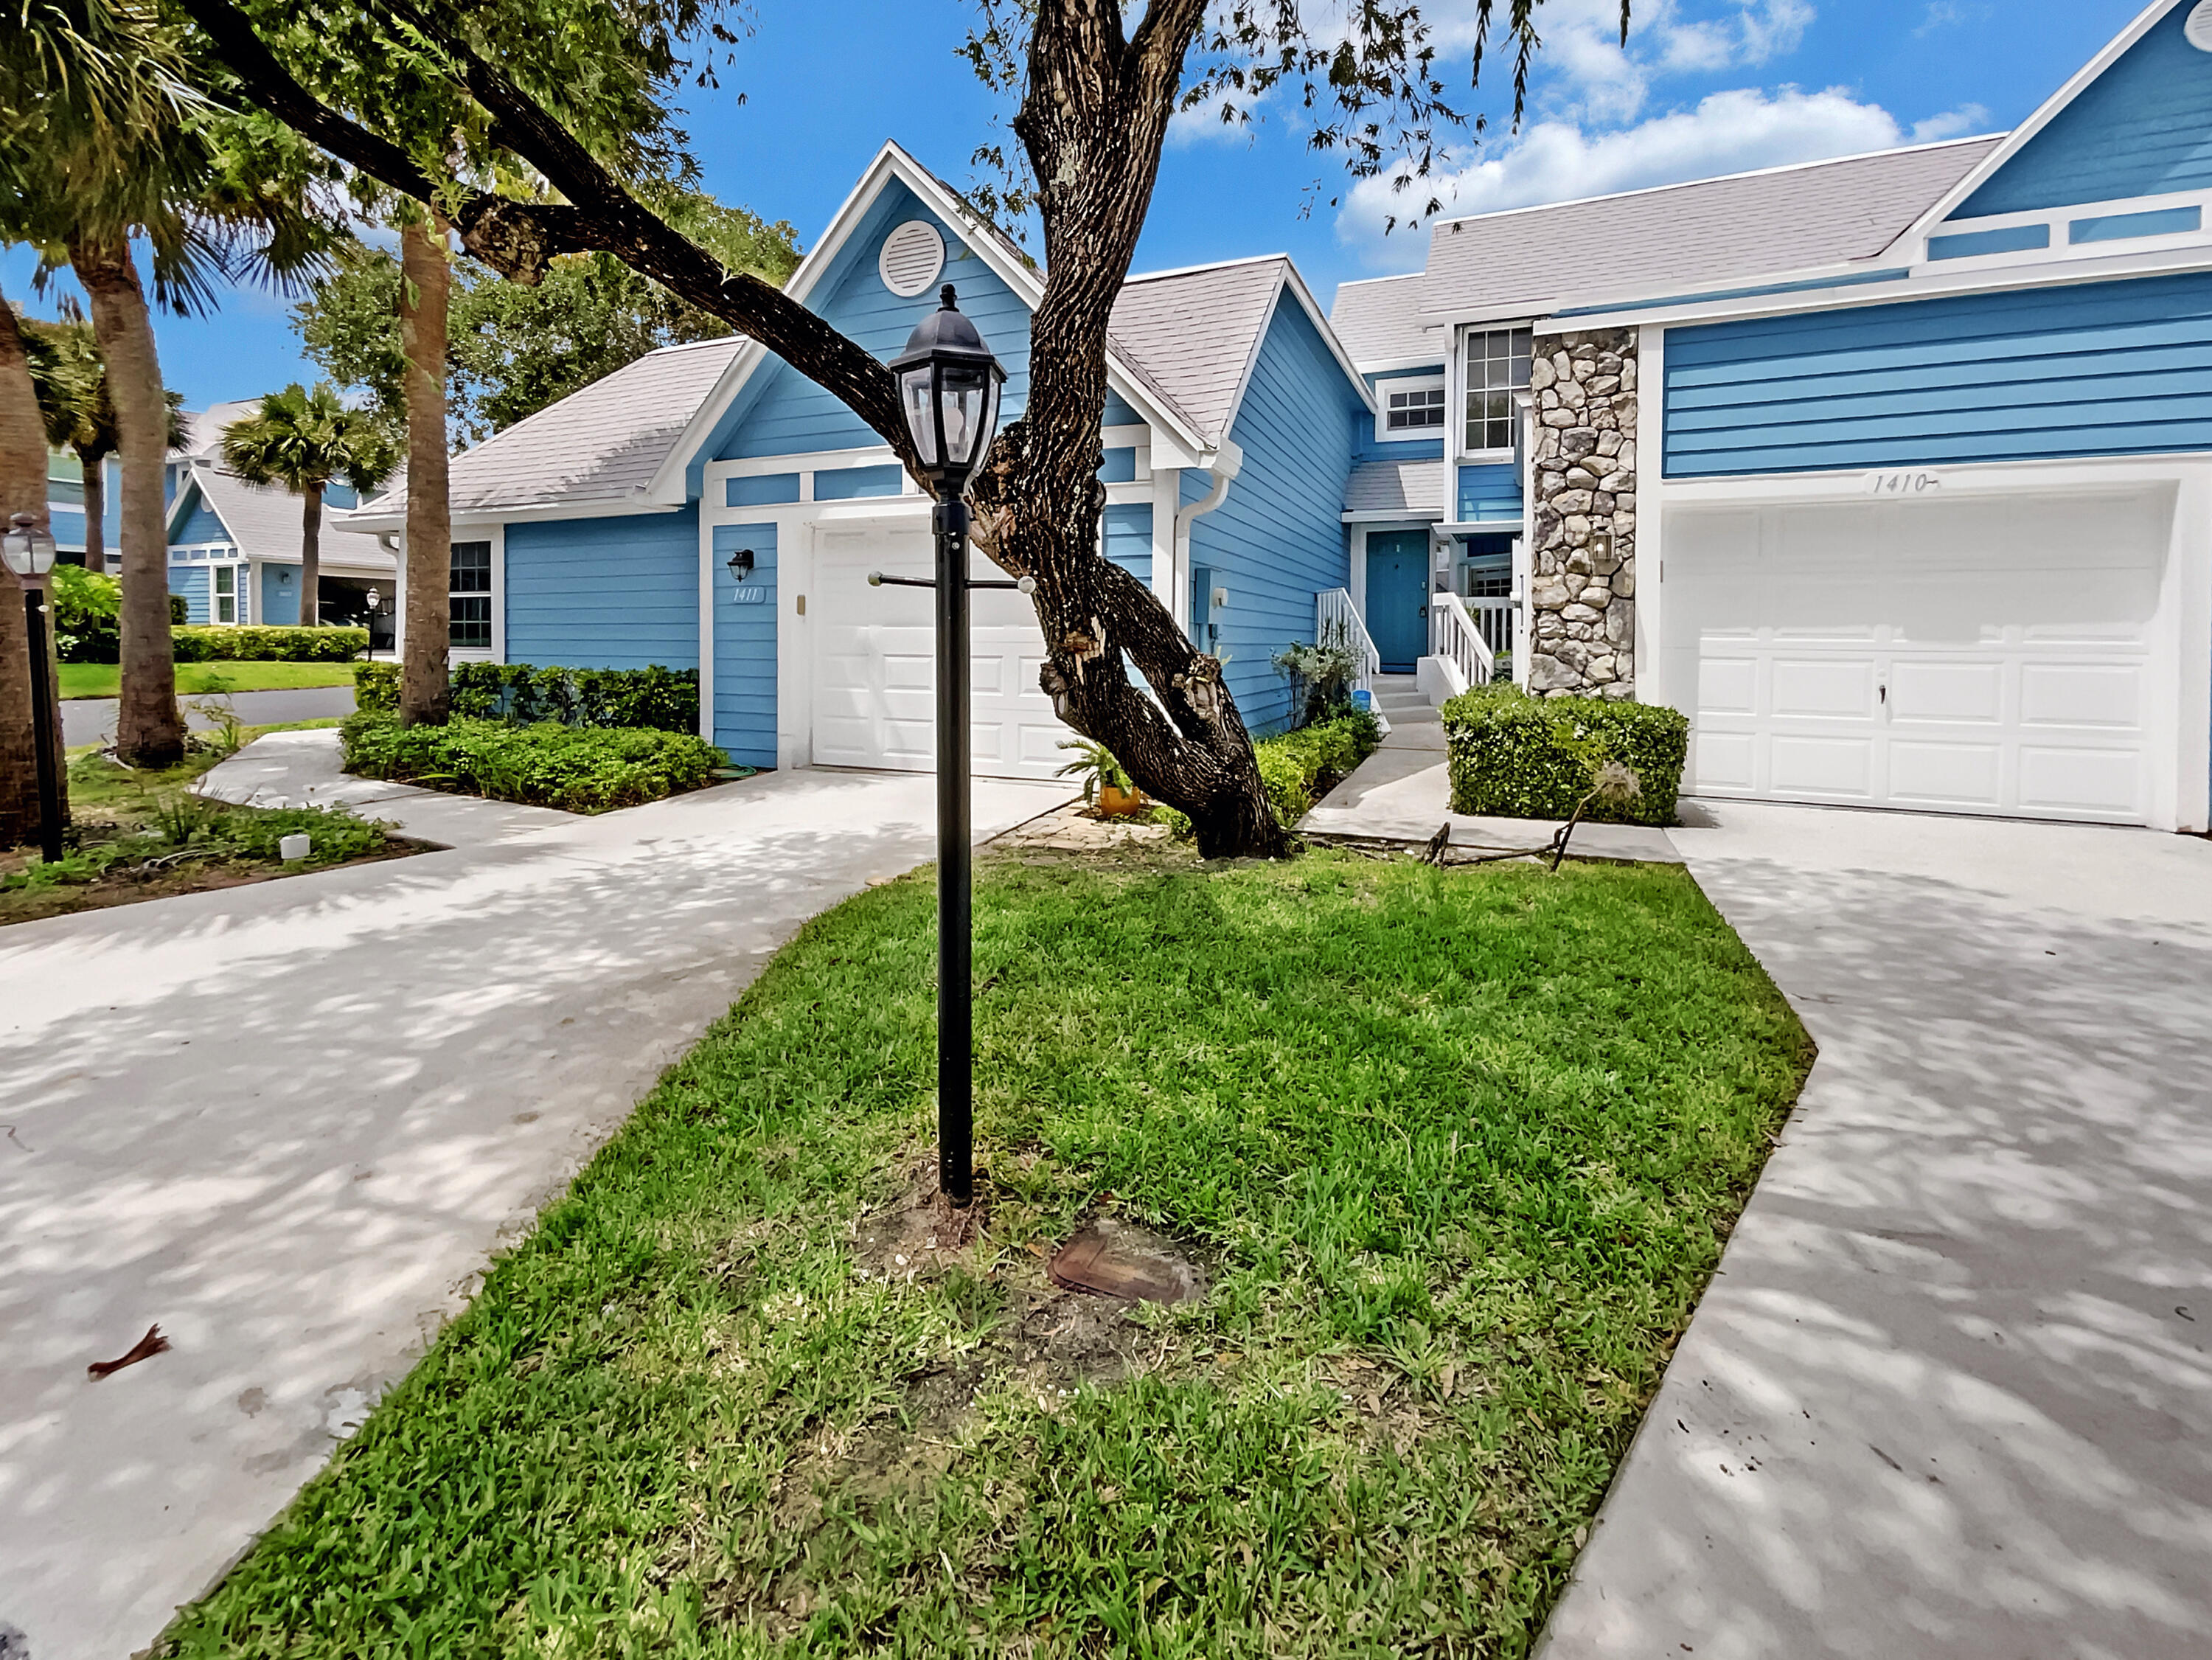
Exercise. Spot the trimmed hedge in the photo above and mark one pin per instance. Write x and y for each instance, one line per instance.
(233, 642)
(653, 699)
(1298, 767)
(577, 769)
(1516, 756)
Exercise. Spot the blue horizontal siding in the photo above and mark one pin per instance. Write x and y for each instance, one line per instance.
(605, 593)
(2108, 368)
(1278, 539)
(761, 490)
(191, 582)
(1128, 536)
(1491, 490)
(203, 525)
(2142, 128)
(2119, 227)
(855, 484)
(277, 603)
(1119, 466)
(745, 648)
(2006, 239)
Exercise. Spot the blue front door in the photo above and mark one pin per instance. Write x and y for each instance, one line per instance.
(1398, 597)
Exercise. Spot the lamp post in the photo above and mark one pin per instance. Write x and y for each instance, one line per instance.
(29, 548)
(949, 385)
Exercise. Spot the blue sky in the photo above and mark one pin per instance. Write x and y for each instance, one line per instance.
(1705, 87)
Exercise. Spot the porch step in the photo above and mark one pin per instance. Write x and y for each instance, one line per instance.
(1399, 697)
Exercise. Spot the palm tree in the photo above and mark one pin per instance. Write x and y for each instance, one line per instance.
(425, 297)
(71, 379)
(22, 489)
(302, 440)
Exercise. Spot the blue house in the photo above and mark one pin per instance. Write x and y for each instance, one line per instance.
(1893, 472)
(601, 530)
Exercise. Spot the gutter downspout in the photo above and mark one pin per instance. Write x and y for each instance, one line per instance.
(1227, 462)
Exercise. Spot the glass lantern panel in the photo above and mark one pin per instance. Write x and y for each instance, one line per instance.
(964, 396)
(921, 412)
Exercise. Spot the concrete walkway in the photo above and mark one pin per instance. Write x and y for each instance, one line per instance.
(92, 720)
(1402, 793)
(1951, 1393)
(291, 1122)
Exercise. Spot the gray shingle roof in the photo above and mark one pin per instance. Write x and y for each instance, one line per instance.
(1379, 321)
(1192, 333)
(1676, 239)
(602, 444)
(264, 522)
(1414, 487)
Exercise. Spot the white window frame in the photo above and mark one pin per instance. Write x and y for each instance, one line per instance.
(1410, 383)
(1462, 357)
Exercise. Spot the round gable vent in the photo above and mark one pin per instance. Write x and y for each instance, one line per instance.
(913, 255)
(2197, 31)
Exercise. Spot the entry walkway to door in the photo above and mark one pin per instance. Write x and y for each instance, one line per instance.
(291, 1122)
(1951, 1391)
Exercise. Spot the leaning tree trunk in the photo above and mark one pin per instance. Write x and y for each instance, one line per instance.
(95, 513)
(22, 489)
(149, 730)
(425, 694)
(1093, 122)
(311, 558)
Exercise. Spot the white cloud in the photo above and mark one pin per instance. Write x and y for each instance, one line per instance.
(1555, 161)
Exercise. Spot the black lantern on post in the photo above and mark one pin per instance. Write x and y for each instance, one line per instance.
(949, 385)
(29, 548)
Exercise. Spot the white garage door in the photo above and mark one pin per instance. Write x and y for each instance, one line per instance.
(875, 665)
(1973, 655)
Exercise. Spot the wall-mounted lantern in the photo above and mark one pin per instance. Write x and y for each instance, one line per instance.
(741, 564)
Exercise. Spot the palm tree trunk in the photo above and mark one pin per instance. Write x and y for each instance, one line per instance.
(425, 695)
(95, 515)
(311, 558)
(22, 489)
(149, 730)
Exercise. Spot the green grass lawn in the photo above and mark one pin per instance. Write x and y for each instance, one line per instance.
(1457, 1151)
(195, 680)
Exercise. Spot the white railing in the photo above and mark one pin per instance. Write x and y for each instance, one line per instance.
(1336, 623)
(1455, 636)
(1494, 621)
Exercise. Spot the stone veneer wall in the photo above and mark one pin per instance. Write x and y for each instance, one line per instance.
(1583, 566)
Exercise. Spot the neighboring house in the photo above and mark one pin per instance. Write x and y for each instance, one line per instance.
(1893, 472)
(600, 531)
(235, 547)
(65, 505)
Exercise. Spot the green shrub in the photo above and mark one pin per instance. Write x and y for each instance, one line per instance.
(1516, 756)
(376, 688)
(232, 642)
(578, 768)
(207, 830)
(1298, 767)
(87, 616)
(180, 612)
(655, 698)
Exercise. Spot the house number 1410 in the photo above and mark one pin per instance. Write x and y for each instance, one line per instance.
(1903, 484)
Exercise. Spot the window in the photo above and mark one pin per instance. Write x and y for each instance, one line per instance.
(1411, 409)
(226, 594)
(471, 596)
(1497, 367)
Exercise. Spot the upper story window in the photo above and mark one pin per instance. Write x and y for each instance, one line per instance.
(1412, 408)
(1497, 367)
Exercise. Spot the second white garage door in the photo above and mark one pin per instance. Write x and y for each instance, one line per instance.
(875, 665)
(1974, 655)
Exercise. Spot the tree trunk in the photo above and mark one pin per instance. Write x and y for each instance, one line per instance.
(425, 682)
(95, 515)
(150, 731)
(22, 489)
(311, 558)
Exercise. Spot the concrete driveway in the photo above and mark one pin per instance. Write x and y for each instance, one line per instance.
(1950, 1394)
(290, 1122)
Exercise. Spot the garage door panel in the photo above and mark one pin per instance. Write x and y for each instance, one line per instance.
(1954, 776)
(1833, 768)
(1977, 652)
(1939, 691)
(2081, 694)
(1820, 687)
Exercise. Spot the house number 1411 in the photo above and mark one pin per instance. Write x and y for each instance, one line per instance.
(1903, 484)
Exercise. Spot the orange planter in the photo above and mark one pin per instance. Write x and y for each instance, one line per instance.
(1119, 803)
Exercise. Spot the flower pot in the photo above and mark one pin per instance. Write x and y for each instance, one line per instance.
(1115, 803)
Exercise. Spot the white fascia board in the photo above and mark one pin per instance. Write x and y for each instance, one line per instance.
(1412, 517)
(2018, 138)
(1426, 363)
(523, 512)
(1927, 281)
(1516, 315)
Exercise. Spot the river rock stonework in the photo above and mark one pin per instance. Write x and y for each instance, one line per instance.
(1582, 520)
